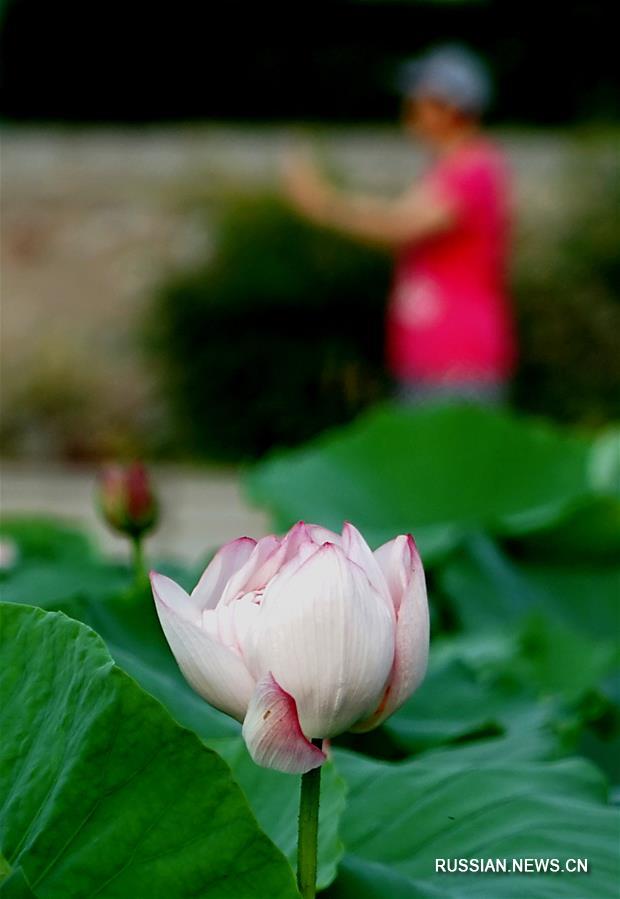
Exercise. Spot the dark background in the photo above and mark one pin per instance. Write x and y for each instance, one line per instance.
(554, 63)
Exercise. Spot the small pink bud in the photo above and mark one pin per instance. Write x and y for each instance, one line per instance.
(126, 499)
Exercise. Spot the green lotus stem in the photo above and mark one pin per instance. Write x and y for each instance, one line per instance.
(139, 569)
(307, 843)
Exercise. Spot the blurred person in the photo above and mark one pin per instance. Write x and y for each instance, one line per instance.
(449, 325)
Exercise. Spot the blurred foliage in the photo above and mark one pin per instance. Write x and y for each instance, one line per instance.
(443, 473)
(60, 402)
(280, 334)
(278, 337)
(568, 306)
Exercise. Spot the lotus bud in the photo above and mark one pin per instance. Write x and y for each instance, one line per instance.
(301, 638)
(127, 500)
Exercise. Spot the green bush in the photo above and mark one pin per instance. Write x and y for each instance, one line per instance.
(567, 290)
(277, 338)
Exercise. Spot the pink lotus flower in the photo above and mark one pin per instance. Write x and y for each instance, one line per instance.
(302, 637)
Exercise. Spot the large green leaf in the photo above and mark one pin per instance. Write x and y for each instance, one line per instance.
(590, 533)
(274, 798)
(129, 625)
(401, 817)
(57, 564)
(488, 589)
(102, 793)
(127, 622)
(521, 695)
(605, 461)
(590, 530)
(58, 570)
(15, 886)
(456, 702)
(46, 539)
(438, 472)
(548, 653)
(58, 585)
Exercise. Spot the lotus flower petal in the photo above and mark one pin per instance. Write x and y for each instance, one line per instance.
(401, 563)
(358, 551)
(285, 552)
(321, 535)
(216, 672)
(239, 582)
(328, 639)
(272, 732)
(224, 564)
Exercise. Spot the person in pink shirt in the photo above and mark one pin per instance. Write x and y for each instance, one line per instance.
(450, 332)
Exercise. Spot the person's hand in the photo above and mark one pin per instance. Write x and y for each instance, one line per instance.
(304, 185)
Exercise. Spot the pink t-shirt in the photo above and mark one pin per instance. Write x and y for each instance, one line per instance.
(449, 317)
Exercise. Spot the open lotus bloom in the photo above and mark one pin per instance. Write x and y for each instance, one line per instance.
(302, 637)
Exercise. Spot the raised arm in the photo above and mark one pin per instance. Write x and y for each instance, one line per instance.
(415, 215)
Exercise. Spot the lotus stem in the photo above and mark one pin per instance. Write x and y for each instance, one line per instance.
(307, 844)
(139, 569)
